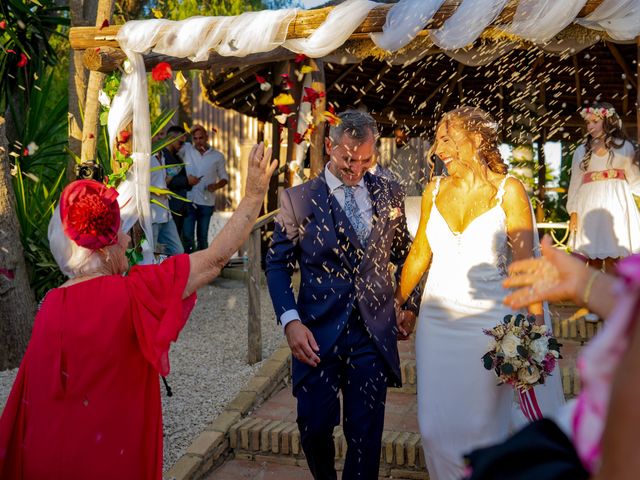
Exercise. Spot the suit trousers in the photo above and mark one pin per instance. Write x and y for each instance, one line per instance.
(355, 368)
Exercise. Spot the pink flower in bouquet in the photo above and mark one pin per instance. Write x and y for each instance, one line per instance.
(549, 363)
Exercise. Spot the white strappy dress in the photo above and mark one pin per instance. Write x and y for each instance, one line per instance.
(460, 406)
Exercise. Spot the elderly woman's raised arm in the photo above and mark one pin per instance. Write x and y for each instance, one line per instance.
(205, 265)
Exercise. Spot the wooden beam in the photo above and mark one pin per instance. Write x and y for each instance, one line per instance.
(372, 82)
(242, 76)
(416, 72)
(342, 76)
(236, 93)
(95, 60)
(452, 82)
(103, 59)
(307, 21)
(576, 76)
(622, 63)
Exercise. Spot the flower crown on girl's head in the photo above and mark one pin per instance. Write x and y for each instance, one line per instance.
(600, 112)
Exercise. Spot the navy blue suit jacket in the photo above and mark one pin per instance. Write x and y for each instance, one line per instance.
(336, 276)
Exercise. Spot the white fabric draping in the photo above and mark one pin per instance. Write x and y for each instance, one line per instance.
(228, 35)
(404, 21)
(467, 23)
(336, 29)
(254, 32)
(539, 20)
(619, 18)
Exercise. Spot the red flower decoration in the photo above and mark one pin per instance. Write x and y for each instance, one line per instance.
(123, 150)
(3, 25)
(123, 136)
(301, 57)
(25, 152)
(260, 79)
(286, 109)
(161, 72)
(23, 60)
(90, 214)
(311, 95)
(298, 138)
(286, 84)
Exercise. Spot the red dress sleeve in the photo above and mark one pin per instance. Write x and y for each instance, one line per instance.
(158, 310)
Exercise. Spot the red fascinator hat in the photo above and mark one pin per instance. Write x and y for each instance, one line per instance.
(90, 214)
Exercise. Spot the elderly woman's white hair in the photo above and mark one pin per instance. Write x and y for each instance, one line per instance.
(72, 259)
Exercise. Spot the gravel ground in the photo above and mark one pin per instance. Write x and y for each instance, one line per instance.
(208, 363)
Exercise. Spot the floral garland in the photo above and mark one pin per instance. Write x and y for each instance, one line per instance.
(598, 112)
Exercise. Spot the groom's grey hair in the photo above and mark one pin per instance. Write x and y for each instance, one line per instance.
(354, 123)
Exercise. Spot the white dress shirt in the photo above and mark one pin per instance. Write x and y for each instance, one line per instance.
(363, 200)
(209, 167)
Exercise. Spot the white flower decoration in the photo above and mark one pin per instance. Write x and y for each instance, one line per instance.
(32, 148)
(509, 345)
(104, 99)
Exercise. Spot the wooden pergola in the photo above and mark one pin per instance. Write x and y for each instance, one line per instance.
(526, 87)
(413, 94)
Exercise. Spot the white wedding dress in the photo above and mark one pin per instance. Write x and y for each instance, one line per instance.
(460, 406)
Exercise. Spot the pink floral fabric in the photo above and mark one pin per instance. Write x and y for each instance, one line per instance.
(598, 363)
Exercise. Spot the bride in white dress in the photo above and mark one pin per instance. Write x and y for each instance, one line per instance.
(473, 224)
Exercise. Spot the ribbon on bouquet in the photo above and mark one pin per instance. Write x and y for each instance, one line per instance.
(529, 404)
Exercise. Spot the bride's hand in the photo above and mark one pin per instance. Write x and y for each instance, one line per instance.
(553, 277)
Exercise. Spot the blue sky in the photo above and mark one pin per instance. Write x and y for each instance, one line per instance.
(312, 3)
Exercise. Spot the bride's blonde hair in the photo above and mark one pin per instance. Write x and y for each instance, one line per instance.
(475, 120)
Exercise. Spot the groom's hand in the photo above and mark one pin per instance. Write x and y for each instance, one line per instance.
(301, 342)
(406, 321)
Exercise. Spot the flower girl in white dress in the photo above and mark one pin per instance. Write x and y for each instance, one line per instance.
(473, 223)
(604, 220)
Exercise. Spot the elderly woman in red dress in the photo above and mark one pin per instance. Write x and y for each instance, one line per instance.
(86, 401)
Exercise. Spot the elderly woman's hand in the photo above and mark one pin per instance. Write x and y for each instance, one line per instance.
(259, 171)
(553, 277)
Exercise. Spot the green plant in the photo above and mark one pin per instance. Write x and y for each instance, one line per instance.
(24, 42)
(38, 170)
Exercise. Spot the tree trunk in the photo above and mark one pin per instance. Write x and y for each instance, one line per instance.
(17, 303)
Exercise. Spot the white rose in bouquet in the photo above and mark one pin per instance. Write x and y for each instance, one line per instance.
(509, 345)
(529, 375)
(539, 348)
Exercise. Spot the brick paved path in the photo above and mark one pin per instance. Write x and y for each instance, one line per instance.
(267, 443)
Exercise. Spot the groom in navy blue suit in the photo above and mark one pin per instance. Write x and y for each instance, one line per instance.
(343, 229)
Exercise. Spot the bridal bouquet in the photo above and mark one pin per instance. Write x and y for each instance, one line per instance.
(521, 353)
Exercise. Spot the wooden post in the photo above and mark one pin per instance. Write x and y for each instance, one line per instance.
(317, 136)
(638, 90)
(292, 124)
(542, 176)
(272, 194)
(254, 330)
(92, 107)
